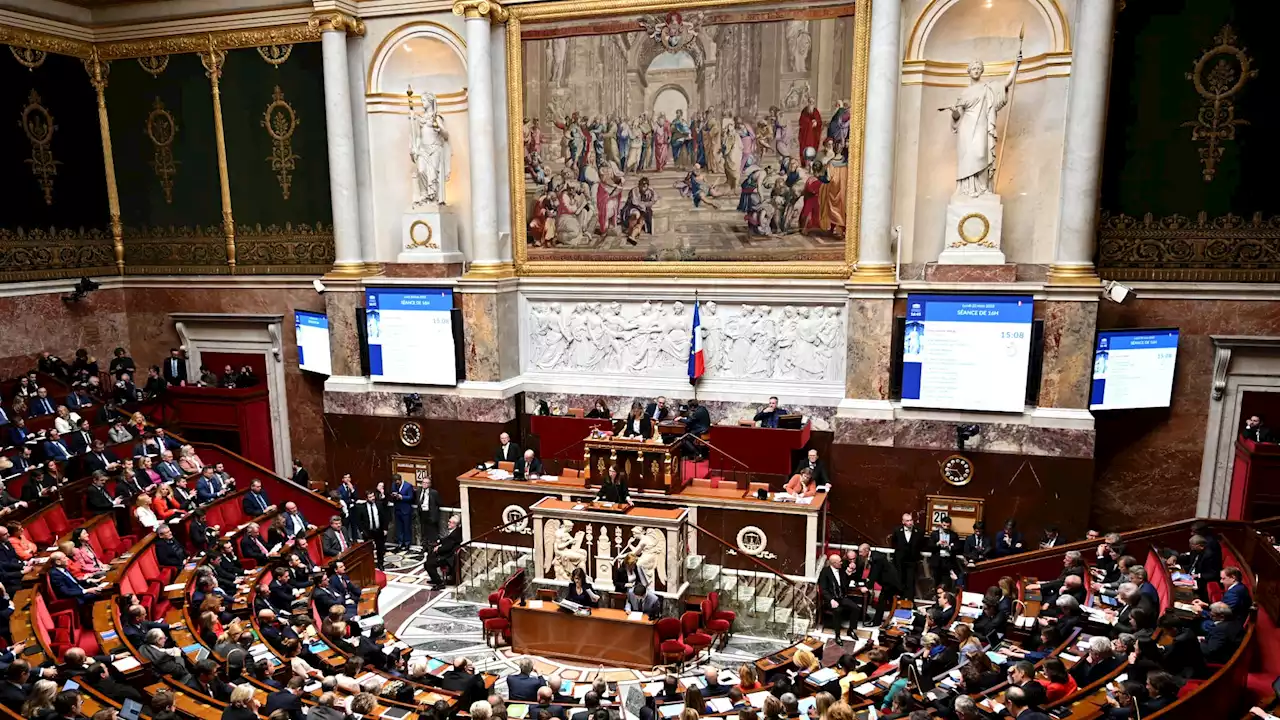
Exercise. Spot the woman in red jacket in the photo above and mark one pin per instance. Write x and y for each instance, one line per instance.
(164, 505)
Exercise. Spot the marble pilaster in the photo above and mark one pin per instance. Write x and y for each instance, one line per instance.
(1085, 131)
(1067, 364)
(490, 328)
(875, 254)
(870, 353)
(363, 162)
(340, 304)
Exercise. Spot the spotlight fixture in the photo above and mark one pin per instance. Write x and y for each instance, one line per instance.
(964, 433)
(412, 404)
(1115, 292)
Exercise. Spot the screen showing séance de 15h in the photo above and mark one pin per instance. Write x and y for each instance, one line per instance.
(410, 336)
(967, 352)
(1133, 369)
(312, 333)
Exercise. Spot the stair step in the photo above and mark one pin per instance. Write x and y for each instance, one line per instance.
(728, 583)
(783, 615)
(762, 604)
(710, 571)
(692, 564)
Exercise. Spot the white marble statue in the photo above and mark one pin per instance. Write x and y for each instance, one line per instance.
(799, 41)
(973, 120)
(429, 151)
(651, 338)
(562, 549)
(650, 548)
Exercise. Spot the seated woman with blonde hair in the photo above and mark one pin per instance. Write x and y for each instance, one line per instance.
(165, 505)
(805, 661)
(145, 515)
(802, 484)
(190, 462)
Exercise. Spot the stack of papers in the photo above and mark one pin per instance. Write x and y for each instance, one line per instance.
(720, 704)
(865, 689)
(823, 676)
(757, 698)
(126, 664)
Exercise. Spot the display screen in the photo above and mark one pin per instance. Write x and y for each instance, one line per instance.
(410, 335)
(967, 352)
(312, 332)
(1133, 369)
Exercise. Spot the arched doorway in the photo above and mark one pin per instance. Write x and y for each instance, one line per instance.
(668, 100)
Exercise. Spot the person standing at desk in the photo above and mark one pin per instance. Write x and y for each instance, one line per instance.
(507, 450)
(579, 590)
(614, 489)
(637, 425)
(769, 414)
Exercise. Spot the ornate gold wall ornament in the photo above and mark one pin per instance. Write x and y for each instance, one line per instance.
(37, 40)
(423, 238)
(287, 249)
(213, 58)
(337, 22)
(276, 55)
(480, 8)
(199, 42)
(37, 123)
(30, 58)
(1219, 75)
(281, 121)
(966, 238)
(162, 129)
(154, 64)
(1230, 248)
(43, 254)
(98, 70)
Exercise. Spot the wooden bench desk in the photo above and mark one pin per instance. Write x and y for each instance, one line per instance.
(607, 636)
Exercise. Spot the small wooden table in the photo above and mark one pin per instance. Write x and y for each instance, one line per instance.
(606, 636)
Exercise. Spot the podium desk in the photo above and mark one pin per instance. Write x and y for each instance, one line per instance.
(606, 636)
(763, 450)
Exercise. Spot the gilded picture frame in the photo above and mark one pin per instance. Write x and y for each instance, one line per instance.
(575, 10)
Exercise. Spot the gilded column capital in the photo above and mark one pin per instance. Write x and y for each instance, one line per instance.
(333, 21)
(472, 9)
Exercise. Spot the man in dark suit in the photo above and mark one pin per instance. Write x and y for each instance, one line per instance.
(463, 679)
(11, 566)
(696, 423)
(336, 539)
(769, 414)
(41, 404)
(831, 595)
(402, 496)
(907, 544)
(100, 458)
(529, 465)
(300, 475)
(1201, 562)
(251, 545)
(1023, 675)
(169, 552)
(175, 368)
(1100, 660)
(507, 451)
(255, 501)
(287, 699)
(658, 411)
(427, 502)
(81, 440)
(67, 587)
(523, 685)
(15, 688)
(199, 532)
(281, 591)
(22, 462)
(371, 521)
(1008, 540)
(97, 500)
(1131, 599)
(148, 446)
(442, 554)
(942, 559)
(1234, 594)
(941, 613)
(1222, 634)
(78, 398)
(863, 571)
(817, 468)
(1019, 705)
(55, 448)
(1072, 564)
(136, 625)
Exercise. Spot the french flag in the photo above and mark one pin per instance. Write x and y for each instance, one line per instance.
(697, 364)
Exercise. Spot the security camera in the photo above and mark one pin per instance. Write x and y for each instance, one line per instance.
(412, 404)
(1115, 292)
(964, 433)
(81, 290)
(319, 286)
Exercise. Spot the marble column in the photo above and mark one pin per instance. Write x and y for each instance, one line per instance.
(1082, 145)
(875, 253)
(486, 261)
(342, 298)
(343, 191)
(364, 166)
(501, 141)
(1070, 324)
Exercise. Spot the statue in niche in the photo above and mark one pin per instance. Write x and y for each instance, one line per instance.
(798, 44)
(429, 151)
(973, 120)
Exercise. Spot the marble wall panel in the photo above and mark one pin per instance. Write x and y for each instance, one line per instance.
(870, 352)
(344, 336)
(1068, 353)
(377, 403)
(1149, 460)
(32, 323)
(722, 412)
(941, 435)
(480, 338)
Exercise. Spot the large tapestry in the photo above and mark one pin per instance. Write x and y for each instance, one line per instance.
(720, 135)
(1187, 183)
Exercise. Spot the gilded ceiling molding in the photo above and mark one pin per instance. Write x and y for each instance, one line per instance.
(154, 64)
(44, 42)
(200, 42)
(333, 21)
(472, 9)
(1230, 248)
(1220, 73)
(29, 58)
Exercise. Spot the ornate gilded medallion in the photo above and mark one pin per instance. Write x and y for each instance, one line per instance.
(281, 121)
(154, 64)
(275, 54)
(37, 123)
(1219, 75)
(411, 434)
(957, 470)
(973, 229)
(162, 129)
(422, 236)
(30, 58)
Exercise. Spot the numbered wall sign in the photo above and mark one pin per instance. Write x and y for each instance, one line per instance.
(964, 512)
